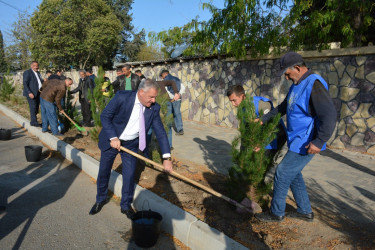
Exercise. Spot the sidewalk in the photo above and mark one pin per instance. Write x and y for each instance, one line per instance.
(47, 203)
(339, 182)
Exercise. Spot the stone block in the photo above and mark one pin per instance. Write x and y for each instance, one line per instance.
(228, 123)
(185, 105)
(361, 125)
(201, 98)
(266, 80)
(192, 93)
(360, 60)
(357, 139)
(333, 91)
(345, 111)
(371, 77)
(362, 111)
(371, 150)
(253, 76)
(371, 122)
(360, 74)
(203, 85)
(261, 62)
(197, 116)
(220, 113)
(345, 80)
(341, 128)
(244, 71)
(212, 118)
(337, 143)
(223, 75)
(351, 129)
(347, 94)
(196, 76)
(332, 68)
(206, 112)
(351, 70)
(340, 67)
(333, 78)
(268, 72)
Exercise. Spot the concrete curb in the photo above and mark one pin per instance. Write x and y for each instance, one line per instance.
(177, 222)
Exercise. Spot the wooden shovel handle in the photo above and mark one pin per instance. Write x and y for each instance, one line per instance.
(70, 119)
(181, 177)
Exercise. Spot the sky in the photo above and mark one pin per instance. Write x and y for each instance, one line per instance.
(151, 15)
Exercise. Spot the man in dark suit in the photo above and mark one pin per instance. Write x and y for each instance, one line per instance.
(85, 86)
(125, 121)
(127, 81)
(32, 82)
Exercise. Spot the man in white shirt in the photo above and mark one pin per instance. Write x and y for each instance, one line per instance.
(125, 121)
(32, 82)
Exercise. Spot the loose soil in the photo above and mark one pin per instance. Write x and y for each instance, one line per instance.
(325, 232)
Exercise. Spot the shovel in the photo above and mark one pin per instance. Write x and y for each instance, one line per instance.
(81, 130)
(251, 208)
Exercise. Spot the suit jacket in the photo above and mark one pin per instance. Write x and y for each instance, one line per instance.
(30, 83)
(116, 115)
(120, 82)
(83, 88)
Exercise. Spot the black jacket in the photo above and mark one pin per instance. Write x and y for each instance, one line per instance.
(119, 83)
(30, 83)
(84, 85)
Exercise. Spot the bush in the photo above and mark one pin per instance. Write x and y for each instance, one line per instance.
(98, 103)
(247, 174)
(6, 89)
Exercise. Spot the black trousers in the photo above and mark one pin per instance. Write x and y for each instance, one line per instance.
(34, 109)
(86, 111)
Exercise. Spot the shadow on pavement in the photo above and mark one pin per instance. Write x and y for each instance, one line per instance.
(24, 208)
(216, 153)
(348, 214)
(342, 159)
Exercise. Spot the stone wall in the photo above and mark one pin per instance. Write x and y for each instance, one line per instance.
(350, 74)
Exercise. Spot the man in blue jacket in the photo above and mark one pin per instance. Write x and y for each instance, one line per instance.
(175, 106)
(311, 119)
(125, 120)
(236, 94)
(32, 82)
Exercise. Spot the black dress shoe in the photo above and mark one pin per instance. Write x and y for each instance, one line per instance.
(306, 217)
(128, 212)
(268, 217)
(97, 207)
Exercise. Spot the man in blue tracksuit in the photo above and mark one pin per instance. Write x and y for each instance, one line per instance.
(236, 94)
(311, 119)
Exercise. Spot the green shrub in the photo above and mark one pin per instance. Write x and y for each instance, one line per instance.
(6, 89)
(249, 169)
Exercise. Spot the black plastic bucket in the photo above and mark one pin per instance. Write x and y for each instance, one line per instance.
(5, 134)
(33, 153)
(146, 228)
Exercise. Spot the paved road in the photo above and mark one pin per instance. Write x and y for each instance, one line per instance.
(340, 182)
(47, 203)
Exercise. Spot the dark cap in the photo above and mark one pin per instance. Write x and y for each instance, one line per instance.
(163, 71)
(288, 60)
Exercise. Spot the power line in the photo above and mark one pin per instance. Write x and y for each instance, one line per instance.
(1, 1)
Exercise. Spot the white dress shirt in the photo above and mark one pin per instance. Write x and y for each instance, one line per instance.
(38, 79)
(131, 130)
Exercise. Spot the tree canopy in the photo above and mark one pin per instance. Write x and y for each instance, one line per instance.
(3, 63)
(257, 27)
(77, 33)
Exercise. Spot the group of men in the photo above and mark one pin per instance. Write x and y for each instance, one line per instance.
(310, 121)
(49, 93)
(310, 116)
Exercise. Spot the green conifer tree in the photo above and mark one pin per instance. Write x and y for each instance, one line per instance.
(6, 88)
(249, 169)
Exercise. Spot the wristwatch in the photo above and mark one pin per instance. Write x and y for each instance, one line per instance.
(167, 159)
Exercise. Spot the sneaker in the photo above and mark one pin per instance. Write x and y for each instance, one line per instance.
(306, 217)
(269, 217)
(181, 132)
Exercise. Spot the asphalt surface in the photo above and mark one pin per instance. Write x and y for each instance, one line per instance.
(47, 203)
